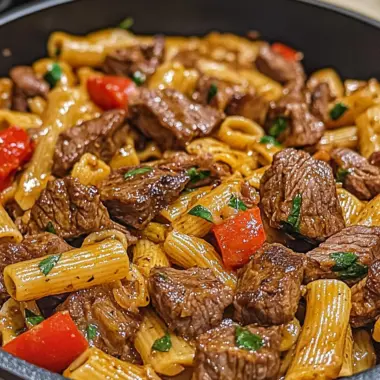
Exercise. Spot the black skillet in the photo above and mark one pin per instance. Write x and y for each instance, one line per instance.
(328, 36)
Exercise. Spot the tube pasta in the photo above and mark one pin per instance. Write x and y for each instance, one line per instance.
(369, 131)
(265, 152)
(8, 194)
(89, 50)
(155, 232)
(351, 206)
(90, 170)
(5, 93)
(319, 352)
(169, 363)
(370, 215)
(290, 334)
(96, 365)
(189, 251)
(148, 255)
(11, 320)
(376, 331)
(214, 201)
(364, 356)
(8, 230)
(74, 270)
(352, 85)
(37, 105)
(286, 360)
(329, 76)
(346, 137)
(96, 237)
(21, 119)
(348, 362)
(125, 156)
(67, 78)
(255, 178)
(239, 132)
(151, 152)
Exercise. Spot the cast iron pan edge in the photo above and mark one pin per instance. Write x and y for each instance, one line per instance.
(328, 35)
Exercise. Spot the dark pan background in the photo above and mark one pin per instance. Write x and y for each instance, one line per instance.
(329, 37)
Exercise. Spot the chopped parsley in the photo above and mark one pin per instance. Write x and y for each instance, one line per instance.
(46, 265)
(32, 318)
(279, 125)
(346, 265)
(163, 276)
(201, 212)
(197, 175)
(133, 172)
(246, 340)
(341, 174)
(127, 23)
(337, 111)
(163, 344)
(50, 228)
(269, 140)
(237, 204)
(212, 91)
(294, 219)
(91, 332)
(53, 75)
(139, 78)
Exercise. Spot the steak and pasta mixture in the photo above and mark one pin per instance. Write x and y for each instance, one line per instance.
(174, 202)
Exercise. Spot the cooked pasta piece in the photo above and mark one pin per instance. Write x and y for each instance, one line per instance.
(11, 320)
(125, 156)
(265, 152)
(170, 363)
(255, 178)
(369, 131)
(37, 105)
(352, 85)
(5, 93)
(320, 348)
(376, 331)
(155, 232)
(90, 170)
(89, 50)
(67, 77)
(8, 230)
(148, 255)
(370, 215)
(348, 363)
(31, 313)
(239, 132)
(174, 44)
(84, 73)
(94, 364)
(329, 76)
(8, 194)
(346, 137)
(20, 119)
(286, 360)
(351, 206)
(364, 355)
(150, 152)
(99, 236)
(189, 251)
(73, 270)
(290, 335)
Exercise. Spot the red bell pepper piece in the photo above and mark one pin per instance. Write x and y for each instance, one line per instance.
(287, 52)
(16, 148)
(53, 344)
(240, 237)
(109, 92)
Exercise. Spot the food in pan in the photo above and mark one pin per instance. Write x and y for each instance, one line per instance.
(173, 202)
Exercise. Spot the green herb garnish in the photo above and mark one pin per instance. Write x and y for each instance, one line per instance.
(197, 175)
(294, 219)
(50, 228)
(46, 265)
(279, 125)
(337, 111)
(162, 276)
(201, 212)
(91, 332)
(133, 172)
(341, 174)
(246, 340)
(237, 204)
(163, 344)
(212, 91)
(53, 75)
(127, 23)
(269, 140)
(139, 78)
(32, 318)
(346, 265)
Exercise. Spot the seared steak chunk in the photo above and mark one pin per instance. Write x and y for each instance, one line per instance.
(26, 85)
(190, 301)
(69, 209)
(358, 176)
(219, 355)
(320, 99)
(31, 247)
(345, 255)
(298, 195)
(142, 59)
(366, 298)
(171, 119)
(269, 286)
(374, 159)
(113, 328)
(102, 137)
(135, 195)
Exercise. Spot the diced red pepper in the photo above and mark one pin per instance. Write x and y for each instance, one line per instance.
(287, 52)
(110, 92)
(240, 237)
(16, 148)
(53, 344)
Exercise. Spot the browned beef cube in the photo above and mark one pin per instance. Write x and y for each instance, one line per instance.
(171, 119)
(298, 195)
(190, 301)
(320, 99)
(69, 209)
(113, 328)
(139, 60)
(358, 176)
(135, 195)
(345, 255)
(365, 297)
(374, 159)
(102, 137)
(219, 357)
(269, 286)
(31, 247)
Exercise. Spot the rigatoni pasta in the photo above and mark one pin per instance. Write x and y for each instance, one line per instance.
(8, 230)
(21, 119)
(364, 355)
(90, 170)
